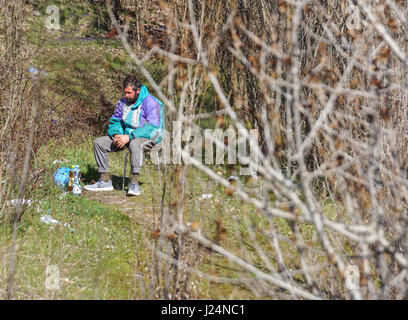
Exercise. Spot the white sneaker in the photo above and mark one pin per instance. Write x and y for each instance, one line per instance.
(100, 186)
(134, 189)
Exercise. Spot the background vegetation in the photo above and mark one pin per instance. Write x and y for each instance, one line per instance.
(323, 216)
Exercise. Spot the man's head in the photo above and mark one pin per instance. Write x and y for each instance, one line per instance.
(131, 88)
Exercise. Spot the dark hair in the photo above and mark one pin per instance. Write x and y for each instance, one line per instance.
(131, 81)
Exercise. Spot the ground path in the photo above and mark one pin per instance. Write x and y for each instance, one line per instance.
(135, 207)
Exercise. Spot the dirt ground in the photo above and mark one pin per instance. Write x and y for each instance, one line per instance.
(135, 207)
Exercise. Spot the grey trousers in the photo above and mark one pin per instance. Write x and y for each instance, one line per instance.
(103, 145)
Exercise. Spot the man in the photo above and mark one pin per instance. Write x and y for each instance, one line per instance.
(137, 121)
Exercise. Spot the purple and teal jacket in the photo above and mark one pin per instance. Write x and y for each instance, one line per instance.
(143, 119)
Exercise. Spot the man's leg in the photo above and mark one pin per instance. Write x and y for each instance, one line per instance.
(136, 153)
(136, 161)
(102, 146)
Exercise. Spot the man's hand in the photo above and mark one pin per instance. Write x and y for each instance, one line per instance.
(120, 140)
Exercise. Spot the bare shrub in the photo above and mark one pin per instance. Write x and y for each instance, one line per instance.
(19, 101)
(325, 85)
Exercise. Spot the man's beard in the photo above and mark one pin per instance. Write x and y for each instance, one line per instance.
(131, 101)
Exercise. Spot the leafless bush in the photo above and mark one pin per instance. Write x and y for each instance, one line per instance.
(19, 99)
(324, 83)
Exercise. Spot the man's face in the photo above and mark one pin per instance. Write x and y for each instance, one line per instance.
(130, 94)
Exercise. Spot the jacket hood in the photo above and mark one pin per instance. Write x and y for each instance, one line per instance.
(142, 95)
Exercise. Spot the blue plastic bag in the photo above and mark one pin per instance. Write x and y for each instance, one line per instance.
(61, 176)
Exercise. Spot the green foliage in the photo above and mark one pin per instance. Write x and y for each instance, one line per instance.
(93, 245)
(95, 249)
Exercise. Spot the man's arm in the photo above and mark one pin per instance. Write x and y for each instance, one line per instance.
(115, 122)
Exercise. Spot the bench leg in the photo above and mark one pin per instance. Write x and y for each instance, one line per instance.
(124, 170)
(158, 168)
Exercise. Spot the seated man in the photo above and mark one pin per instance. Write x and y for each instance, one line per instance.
(134, 124)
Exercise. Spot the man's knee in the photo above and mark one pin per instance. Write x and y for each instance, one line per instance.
(103, 142)
(136, 144)
(98, 141)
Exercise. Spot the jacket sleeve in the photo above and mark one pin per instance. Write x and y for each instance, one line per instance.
(115, 127)
(145, 131)
(150, 121)
(115, 123)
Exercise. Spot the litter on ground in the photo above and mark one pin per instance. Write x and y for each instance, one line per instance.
(21, 202)
(50, 220)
